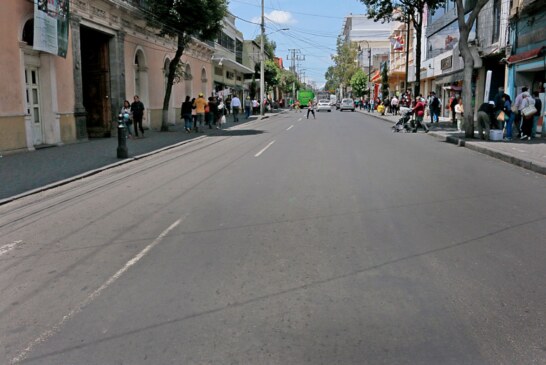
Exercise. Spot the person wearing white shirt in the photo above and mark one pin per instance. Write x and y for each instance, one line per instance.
(235, 107)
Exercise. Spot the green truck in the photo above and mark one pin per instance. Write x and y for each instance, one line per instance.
(304, 96)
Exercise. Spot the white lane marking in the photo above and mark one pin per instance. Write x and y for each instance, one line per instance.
(289, 128)
(299, 120)
(7, 248)
(57, 327)
(263, 150)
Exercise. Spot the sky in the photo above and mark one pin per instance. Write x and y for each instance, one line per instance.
(313, 28)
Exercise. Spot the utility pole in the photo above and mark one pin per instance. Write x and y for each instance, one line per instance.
(294, 57)
(262, 57)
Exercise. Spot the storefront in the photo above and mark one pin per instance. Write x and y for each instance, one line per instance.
(528, 69)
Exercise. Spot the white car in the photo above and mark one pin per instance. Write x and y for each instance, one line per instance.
(324, 104)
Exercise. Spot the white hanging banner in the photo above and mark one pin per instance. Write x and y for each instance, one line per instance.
(51, 26)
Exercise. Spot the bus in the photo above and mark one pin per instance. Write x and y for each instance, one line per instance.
(304, 96)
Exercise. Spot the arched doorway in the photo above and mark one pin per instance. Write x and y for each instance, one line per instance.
(204, 83)
(187, 82)
(141, 84)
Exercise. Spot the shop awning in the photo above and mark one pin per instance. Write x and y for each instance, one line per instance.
(449, 78)
(230, 64)
(524, 56)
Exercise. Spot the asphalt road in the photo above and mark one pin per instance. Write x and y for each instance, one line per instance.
(285, 241)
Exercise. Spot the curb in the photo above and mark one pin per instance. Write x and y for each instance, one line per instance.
(108, 167)
(94, 171)
(528, 165)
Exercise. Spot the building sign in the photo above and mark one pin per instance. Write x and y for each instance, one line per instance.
(446, 63)
(51, 26)
(446, 39)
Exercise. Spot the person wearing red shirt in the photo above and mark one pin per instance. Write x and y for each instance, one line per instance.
(419, 111)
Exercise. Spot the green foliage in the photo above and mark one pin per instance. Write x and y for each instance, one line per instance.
(186, 19)
(269, 46)
(406, 11)
(332, 82)
(345, 64)
(359, 83)
(272, 73)
(288, 80)
(182, 20)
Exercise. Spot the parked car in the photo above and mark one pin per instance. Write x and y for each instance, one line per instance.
(347, 104)
(324, 104)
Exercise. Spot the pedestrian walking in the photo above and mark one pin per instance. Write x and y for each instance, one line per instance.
(221, 114)
(213, 112)
(248, 107)
(235, 107)
(509, 117)
(200, 103)
(126, 109)
(459, 115)
(311, 108)
(193, 115)
(516, 108)
(538, 106)
(187, 108)
(297, 106)
(137, 108)
(419, 111)
(453, 102)
(434, 108)
(527, 119)
(394, 105)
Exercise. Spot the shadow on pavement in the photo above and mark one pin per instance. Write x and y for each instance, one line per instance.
(240, 132)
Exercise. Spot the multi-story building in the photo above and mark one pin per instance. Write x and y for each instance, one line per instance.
(372, 39)
(229, 70)
(442, 68)
(401, 60)
(112, 54)
(526, 59)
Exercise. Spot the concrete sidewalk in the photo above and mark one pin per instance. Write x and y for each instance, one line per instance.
(530, 155)
(26, 173)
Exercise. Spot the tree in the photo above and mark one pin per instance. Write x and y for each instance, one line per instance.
(359, 83)
(288, 81)
(332, 82)
(406, 11)
(184, 20)
(465, 26)
(272, 73)
(269, 46)
(253, 88)
(345, 65)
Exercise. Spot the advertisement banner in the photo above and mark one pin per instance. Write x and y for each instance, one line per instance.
(51, 26)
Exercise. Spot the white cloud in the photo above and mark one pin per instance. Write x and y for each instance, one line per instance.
(277, 17)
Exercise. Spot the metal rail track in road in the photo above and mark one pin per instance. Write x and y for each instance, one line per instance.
(74, 192)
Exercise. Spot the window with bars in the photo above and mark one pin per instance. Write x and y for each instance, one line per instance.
(227, 42)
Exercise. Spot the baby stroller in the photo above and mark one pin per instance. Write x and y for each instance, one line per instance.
(404, 124)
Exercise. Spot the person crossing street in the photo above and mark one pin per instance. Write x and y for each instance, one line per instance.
(311, 108)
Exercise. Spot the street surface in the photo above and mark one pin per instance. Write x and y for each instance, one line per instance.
(283, 241)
